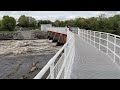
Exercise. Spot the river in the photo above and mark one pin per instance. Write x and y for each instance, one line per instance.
(23, 59)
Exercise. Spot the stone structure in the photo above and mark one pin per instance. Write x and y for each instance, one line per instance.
(21, 35)
(45, 26)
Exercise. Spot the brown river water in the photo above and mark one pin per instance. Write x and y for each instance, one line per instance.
(23, 59)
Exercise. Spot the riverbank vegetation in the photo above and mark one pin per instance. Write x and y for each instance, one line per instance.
(7, 23)
(100, 23)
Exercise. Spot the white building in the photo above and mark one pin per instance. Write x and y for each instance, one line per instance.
(45, 26)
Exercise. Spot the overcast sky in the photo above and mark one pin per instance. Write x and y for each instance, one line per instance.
(56, 15)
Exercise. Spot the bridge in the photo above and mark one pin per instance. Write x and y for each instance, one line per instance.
(86, 54)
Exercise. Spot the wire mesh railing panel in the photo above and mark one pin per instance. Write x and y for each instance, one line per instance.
(103, 42)
(92, 38)
(62, 74)
(58, 66)
(104, 49)
(118, 41)
(92, 33)
(49, 77)
(117, 60)
(88, 36)
(104, 35)
(111, 38)
(111, 54)
(97, 39)
(96, 45)
(74, 29)
(97, 34)
(88, 32)
(111, 46)
(92, 43)
(117, 50)
(60, 62)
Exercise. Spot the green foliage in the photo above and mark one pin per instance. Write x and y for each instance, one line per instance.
(8, 23)
(25, 21)
(0, 24)
(100, 23)
(32, 22)
(44, 22)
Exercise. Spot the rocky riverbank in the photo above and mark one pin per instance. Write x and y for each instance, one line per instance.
(23, 35)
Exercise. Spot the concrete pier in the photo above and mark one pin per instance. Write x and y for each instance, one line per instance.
(57, 37)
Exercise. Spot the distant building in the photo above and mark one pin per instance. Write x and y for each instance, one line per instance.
(45, 26)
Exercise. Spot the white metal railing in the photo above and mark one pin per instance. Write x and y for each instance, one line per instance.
(106, 42)
(61, 69)
(74, 29)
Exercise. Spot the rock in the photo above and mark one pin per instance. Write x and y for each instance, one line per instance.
(33, 69)
(24, 77)
(21, 35)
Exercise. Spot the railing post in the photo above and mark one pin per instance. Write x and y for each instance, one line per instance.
(78, 31)
(52, 71)
(87, 36)
(90, 38)
(83, 34)
(107, 43)
(114, 46)
(65, 54)
(99, 39)
(68, 34)
(94, 38)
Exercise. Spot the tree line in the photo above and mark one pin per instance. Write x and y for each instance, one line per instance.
(100, 23)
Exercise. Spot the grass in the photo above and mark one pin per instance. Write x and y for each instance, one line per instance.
(7, 31)
(37, 30)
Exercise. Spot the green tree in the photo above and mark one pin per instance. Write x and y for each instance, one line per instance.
(0, 24)
(44, 22)
(32, 22)
(8, 23)
(23, 21)
(117, 31)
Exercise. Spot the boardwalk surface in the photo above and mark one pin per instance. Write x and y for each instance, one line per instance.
(90, 63)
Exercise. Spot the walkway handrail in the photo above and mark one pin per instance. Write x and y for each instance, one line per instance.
(52, 60)
(106, 42)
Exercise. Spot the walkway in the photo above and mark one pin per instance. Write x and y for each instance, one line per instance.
(90, 63)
